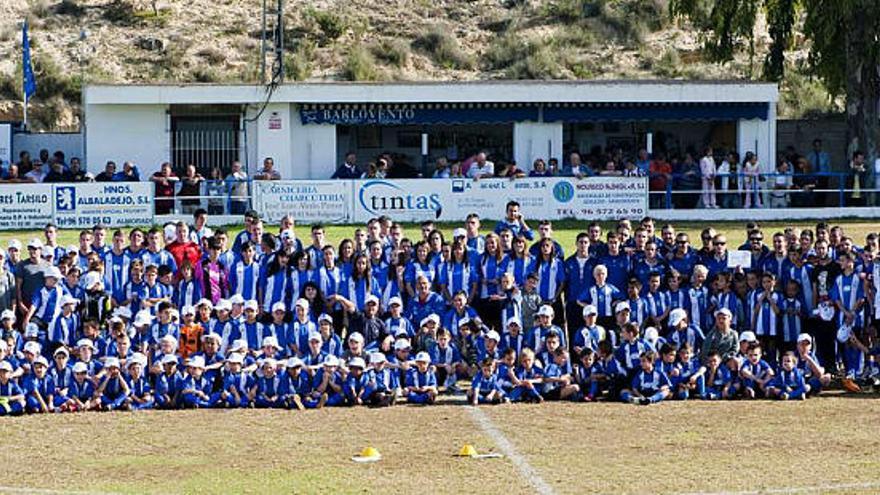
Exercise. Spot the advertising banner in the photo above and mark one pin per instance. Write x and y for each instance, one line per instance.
(307, 201)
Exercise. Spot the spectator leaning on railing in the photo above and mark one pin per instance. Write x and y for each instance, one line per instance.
(268, 171)
(237, 184)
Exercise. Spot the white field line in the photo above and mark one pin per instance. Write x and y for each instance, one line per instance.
(45, 491)
(522, 465)
(797, 489)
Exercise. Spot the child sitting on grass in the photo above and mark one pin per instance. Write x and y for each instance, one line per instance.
(650, 385)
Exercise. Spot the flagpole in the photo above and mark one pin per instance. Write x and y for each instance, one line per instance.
(25, 120)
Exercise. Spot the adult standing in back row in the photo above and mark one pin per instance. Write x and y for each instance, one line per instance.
(348, 169)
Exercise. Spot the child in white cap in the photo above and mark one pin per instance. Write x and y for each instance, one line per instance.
(421, 383)
(113, 389)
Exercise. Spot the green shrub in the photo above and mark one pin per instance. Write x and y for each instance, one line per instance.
(361, 66)
(331, 24)
(298, 65)
(668, 65)
(71, 8)
(212, 55)
(522, 58)
(391, 51)
(443, 48)
(10, 88)
(52, 80)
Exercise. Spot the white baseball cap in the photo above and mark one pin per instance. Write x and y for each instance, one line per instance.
(294, 362)
(32, 347)
(514, 320)
(331, 360)
(196, 362)
(371, 299)
(315, 336)
(223, 305)
(357, 362)
(169, 359)
(85, 343)
(652, 335)
(42, 360)
(423, 357)
(61, 350)
(143, 318)
(236, 299)
(238, 345)
(53, 272)
(279, 306)
(377, 357)
(205, 302)
(805, 337)
(270, 362)
(235, 358)
(301, 302)
(748, 337)
(357, 337)
(35, 243)
(188, 310)
(676, 316)
(590, 309)
(270, 341)
(402, 344)
(395, 300)
(621, 306)
(430, 318)
(80, 367)
(171, 339)
(723, 311)
(112, 362)
(459, 232)
(123, 312)
(7, 366)
(252, 305)
(212, 336)
(325, 317)
(68, 299)
(14, 244)
(493, 335)
(8, 314)
(546, 310)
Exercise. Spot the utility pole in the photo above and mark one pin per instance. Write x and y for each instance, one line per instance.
(272, 43)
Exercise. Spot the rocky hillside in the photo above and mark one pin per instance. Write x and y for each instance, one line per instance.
(140, 41)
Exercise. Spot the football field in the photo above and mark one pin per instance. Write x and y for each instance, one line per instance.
(828, 444)
(823, 445)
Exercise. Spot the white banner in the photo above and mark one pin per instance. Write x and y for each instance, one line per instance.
(82, 205)
(595, 198)
(25, 206)
(113, 204)
(308, 201)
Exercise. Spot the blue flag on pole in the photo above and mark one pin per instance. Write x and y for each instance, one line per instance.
(29, 82)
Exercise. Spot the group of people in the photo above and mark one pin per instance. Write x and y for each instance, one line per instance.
(189, 317)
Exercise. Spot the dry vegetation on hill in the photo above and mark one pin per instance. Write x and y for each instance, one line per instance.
(142, 41)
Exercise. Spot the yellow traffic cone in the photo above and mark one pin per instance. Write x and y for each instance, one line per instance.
(369, 454)
(467, 450)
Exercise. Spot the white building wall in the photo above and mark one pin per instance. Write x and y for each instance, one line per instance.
(313, 149)
(533, 140)
(138, 133)
(758, 136)
(273, 139)
(71, 143)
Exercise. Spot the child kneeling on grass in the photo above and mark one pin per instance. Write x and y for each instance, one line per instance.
(529, 377)
(421, 383)
(557, 378)
(650, 385)
(486, 388)
(382, 386)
